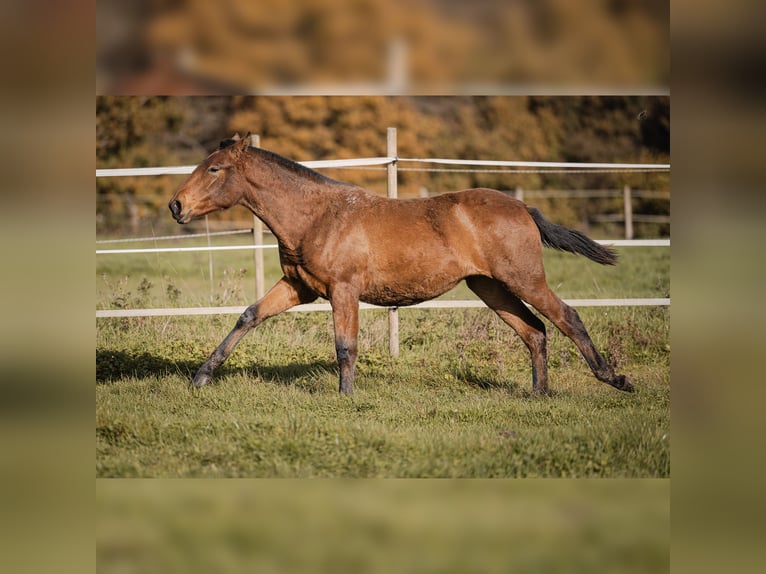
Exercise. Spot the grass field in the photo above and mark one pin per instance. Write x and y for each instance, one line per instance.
(383, 526)
(455, 404)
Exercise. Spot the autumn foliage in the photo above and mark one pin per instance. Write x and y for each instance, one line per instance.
(157, 131)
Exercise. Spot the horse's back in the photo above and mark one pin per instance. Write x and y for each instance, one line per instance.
(492, 212)
(460, 221)
(484, 197)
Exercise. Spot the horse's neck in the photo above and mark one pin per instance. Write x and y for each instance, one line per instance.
(286, 202)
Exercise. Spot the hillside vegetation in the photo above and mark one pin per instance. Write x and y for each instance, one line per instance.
(156, 131)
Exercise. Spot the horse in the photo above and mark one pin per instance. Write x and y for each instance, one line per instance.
(347, 244)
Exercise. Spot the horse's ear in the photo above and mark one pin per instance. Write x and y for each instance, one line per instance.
(235, 137)
(248, 141)
(243, 144)
(227, 142)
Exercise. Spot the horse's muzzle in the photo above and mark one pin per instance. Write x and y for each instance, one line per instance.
(175, 209)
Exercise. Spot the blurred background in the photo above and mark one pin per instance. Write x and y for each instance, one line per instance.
(382, 526)
(382, 46)
(718, 323)
(167, 131)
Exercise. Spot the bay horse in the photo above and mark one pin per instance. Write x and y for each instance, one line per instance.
(347, 244)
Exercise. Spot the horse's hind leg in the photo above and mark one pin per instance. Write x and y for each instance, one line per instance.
(529, 327)
(540, 296)
(284, 295)
(345, 316)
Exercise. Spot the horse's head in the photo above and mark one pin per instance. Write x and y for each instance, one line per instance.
(215, 184)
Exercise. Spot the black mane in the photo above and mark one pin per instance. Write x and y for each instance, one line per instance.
(293, 166)
(286, 163)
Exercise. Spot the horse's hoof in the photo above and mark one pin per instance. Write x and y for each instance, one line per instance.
(201, 379)
(623, 384)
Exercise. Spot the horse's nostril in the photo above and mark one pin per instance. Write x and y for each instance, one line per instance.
(175, 207)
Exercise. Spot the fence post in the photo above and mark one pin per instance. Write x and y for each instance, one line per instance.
(628, 201)
(393, 313)
(209, 256)
(519, 193)
(260, 286)
(397, 66)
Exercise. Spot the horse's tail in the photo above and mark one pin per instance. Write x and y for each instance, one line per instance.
(565, 239)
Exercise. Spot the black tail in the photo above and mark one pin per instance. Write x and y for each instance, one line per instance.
(565, 239)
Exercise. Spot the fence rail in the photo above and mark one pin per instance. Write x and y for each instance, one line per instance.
(608, 242)
(380, 161)
(314, 307)
(171, 237)
(637, 217)
(183, 249)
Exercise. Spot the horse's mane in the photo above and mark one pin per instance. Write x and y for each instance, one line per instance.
(293, 166)
(286, 163)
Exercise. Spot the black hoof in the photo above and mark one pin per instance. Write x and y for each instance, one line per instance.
(622, 383)
(201, 379)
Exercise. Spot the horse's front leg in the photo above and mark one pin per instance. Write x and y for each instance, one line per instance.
(345, 316)
(284, 295)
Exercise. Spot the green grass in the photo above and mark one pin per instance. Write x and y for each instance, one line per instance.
(456, 403)
(377, 526)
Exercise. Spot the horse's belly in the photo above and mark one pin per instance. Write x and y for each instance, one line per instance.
(402, 292)
(394, 299)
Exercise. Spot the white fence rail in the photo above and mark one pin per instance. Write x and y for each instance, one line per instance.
(167, 237)
(608, 242)
(379, 161)
(392, 163)
(183, 249)
(314, 307)
(187, 169)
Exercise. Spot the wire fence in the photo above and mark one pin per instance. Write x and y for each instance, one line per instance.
(170, 237)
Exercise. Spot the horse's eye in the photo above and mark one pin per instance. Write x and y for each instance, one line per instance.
(213, 169)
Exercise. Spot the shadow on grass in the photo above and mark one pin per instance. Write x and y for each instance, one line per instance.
(514, 388)
(114, 366)
(483, 381)
(310, 376)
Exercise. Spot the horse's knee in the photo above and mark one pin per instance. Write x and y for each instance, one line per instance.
(346, 351)
(571, 315)
(247, 318)
(538, 339)
(533, 334)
